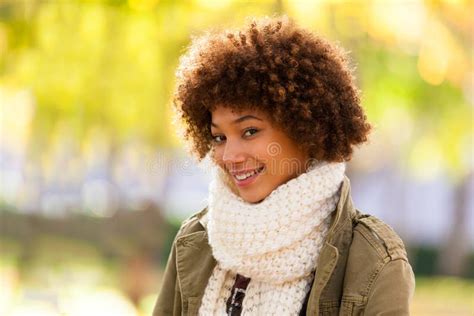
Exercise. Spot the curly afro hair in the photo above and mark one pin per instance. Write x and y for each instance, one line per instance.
(300, 80)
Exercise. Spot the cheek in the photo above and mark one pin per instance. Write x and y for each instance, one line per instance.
(262, 149)
(217, 155)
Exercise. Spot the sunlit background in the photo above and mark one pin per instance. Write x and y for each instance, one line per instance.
(94, 181)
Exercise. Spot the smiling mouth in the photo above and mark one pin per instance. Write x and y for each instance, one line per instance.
(248, 175)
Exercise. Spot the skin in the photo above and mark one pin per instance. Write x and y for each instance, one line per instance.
(247, 140)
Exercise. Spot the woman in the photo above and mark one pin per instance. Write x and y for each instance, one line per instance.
(276, 110)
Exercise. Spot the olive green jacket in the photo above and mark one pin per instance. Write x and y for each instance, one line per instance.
(362, 268)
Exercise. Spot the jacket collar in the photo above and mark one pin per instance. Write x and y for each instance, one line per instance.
(337, 242)
(344, 211)
(195, 263)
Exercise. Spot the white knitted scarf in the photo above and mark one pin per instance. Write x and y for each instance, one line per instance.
(275, 242)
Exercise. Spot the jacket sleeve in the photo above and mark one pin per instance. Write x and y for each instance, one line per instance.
(169, 297)
(392, 291)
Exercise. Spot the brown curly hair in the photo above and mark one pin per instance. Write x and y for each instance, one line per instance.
(300, 80)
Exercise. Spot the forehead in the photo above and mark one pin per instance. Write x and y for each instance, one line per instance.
(226, 115)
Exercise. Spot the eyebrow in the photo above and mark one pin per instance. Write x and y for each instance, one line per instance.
(241, 119)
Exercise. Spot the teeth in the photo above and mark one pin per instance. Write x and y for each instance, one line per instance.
(244, 176)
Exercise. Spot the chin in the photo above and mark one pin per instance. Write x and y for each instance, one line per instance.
(252, 198)
(253, 201)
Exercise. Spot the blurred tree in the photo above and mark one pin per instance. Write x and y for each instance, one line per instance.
(110, 64)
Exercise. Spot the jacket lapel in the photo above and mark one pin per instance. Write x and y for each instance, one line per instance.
(194, 265)
(334, 246)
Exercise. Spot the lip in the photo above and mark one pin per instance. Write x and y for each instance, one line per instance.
(248, 181)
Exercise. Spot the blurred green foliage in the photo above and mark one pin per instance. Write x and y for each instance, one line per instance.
(110, 64)
(107, 67)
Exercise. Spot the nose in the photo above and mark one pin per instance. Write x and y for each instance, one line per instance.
(233, 152)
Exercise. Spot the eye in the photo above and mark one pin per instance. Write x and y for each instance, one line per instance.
(250, 131)
(218, 139)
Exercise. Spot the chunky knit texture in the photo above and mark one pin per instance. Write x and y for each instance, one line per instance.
(276, 242)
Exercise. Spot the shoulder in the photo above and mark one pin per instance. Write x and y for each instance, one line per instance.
(377, 276)
(376, 254)
(193, 223)
(370, 231)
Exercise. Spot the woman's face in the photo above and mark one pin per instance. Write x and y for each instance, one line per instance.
(257, 156)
